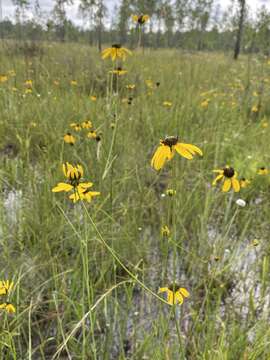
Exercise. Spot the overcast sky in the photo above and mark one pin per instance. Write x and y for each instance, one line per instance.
(72, 11)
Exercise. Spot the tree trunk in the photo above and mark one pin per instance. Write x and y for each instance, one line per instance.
(240, 29)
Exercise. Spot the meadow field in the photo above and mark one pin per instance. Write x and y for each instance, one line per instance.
(130, 261)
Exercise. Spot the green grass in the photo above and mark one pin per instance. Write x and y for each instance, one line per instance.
(73, 298)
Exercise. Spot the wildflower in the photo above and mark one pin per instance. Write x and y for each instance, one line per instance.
(118, 71)
(76, 127)
(131, 86)
(244, 183)
(28, 83)
(93, 135)
(73, 175)
(28, 91)
(241, 202)
(167, 104)
(140, 19)
(93, 98)
(3, 78)
(255, 242)
(5, 287)
(262, 171)
(167, 148)
(73, 82)
(205, 103)
(149, 83)
(229, 178)
(33, 124)
(69, 139)
(265, 124)
(254, 109)
(165, 231)
(10, 309)
(116, 51)
(86, 124)
(175, 294)
(170, 192)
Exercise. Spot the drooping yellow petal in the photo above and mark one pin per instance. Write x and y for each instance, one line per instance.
(162, 154)
(163, 289)
(226, 185)
(184, 292)
(106, 53)
(114, 54)
(193, 149)
(89, 194)
(218, 171)
(183, 151)
(84, 186)
(219, 177)
(235, 184)
(62, 187)
(76, 196)
(170, 297)
(178, 298)
(10, 309)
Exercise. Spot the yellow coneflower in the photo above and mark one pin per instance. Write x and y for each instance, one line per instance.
(74, 175)
(118, 71)
(254, 109)
(93, 98)
(140, 19)
(255, 242)
(167, 104)
(28, 83)
(10, 309)
(75, 126)
(175, 294)
(205, 103)
(244, 183)
(167, 149)
(73, 82)
(229, 177)
(5, 287)
(165, 231)
(170, 192)
(116, 51)
(3, 78)
(130, 86)
(69, 139)
(262, 171)
(149, 83)
(87, 124)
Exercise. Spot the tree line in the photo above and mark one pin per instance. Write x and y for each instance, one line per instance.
(187, 24)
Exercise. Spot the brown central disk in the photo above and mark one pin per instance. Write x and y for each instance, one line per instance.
(170, 141)
(174, 287)
(116, 46)
(140, 19)
(228, 172)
